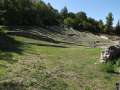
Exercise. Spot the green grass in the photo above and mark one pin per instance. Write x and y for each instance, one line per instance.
(75, 68)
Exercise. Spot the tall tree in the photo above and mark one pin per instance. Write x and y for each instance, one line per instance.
(69, 22)
(64, 12)
(30, 12)
(81, 19)
(71, 15)
(92, 25)
(81, 15)
(109, 23)
(101, 26)
(117, 28)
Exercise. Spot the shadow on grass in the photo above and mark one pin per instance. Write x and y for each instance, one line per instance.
(8, 57)
(9, 45)
(9, 85)
(49, 45)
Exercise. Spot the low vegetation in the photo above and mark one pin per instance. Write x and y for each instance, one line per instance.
(42, 67)
(112, 66)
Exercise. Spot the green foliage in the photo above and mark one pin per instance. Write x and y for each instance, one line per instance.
(117, 28)
(117, 66)
(108, 67)
(101, 26)
(69, 22)
(71, 15)
(80, 21)
(3, 30)
(64, 13)
(81, 15)
(93, 25)
(37, 13)
(111, 67)
(29, 13)
(109, 23)
(118, 63)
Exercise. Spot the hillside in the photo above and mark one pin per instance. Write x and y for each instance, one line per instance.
(46, 47)
(60, 35)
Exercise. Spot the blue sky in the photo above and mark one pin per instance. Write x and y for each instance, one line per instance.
(97, 9)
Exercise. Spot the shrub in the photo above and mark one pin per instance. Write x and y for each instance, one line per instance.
(111, 67)
(118, 63)
(117, 66)
(108, 67)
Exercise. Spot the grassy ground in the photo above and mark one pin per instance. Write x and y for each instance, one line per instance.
(61, 68)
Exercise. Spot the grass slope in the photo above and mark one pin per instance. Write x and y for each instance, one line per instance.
(45, 66)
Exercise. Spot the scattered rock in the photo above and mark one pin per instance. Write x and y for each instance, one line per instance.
(104, 37)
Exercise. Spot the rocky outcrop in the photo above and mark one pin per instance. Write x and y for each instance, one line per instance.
(110, 53)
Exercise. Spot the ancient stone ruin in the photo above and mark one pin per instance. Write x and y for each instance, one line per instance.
(110, 53)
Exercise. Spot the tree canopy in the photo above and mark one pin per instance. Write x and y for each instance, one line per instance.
(37, 13)
(27, 12)
(109, 23)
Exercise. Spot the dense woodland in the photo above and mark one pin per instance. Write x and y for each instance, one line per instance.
(37, 13)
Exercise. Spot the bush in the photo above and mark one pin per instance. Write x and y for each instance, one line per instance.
(118, 63)
(108, 67)
(117, 66)
(111, 67)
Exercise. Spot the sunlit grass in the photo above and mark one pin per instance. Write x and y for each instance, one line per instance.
(77, 66)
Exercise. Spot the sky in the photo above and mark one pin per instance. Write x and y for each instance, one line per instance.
(97, 9)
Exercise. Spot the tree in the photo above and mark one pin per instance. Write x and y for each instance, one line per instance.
(30, 13)
(71, 15)
(81, 15)
(64, 13)
(37, 13)
(109, 23)
(53, 15)
(117, 28)
(81, 19)
(101, 26)
(69, 22)
(92, 25)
